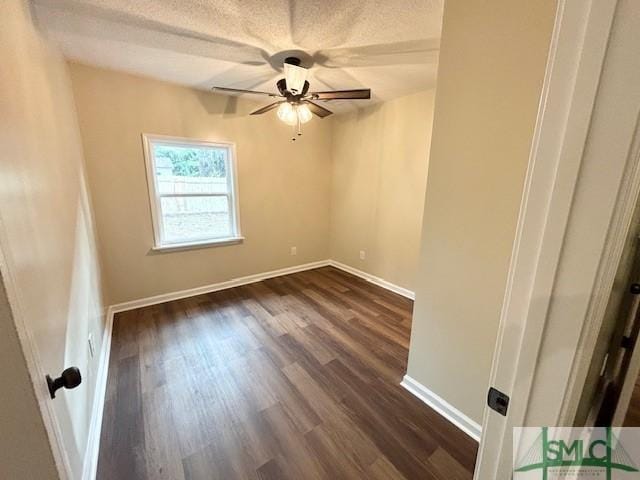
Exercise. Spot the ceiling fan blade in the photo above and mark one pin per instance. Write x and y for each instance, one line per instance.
(361, 94)
(240, 91)
(318, 110)
(267, 108)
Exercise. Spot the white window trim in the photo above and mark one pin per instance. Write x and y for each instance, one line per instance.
(154, 197)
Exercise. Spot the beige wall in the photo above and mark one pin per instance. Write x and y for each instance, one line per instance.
(380, 156)
(491, 69)
(283, 185)
(354, 182)
(49, 262)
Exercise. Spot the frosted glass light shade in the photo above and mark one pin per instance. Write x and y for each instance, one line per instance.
(304, 114)
(287, 113)
(290, 114)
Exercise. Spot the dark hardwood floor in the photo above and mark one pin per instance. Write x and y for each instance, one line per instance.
(291, 378)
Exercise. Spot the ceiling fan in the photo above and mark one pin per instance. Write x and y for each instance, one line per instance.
(298, 105)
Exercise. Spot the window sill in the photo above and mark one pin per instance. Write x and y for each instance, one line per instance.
(194, 245)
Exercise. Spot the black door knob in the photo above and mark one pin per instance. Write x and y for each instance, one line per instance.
(70, 378)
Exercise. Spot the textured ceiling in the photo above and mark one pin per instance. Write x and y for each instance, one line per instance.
(390, 46)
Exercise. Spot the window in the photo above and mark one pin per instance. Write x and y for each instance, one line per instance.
(192, 190)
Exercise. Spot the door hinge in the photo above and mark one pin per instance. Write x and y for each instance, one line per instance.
(627, 343)
(498, 401)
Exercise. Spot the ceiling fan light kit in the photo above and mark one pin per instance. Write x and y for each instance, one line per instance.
(298, 105)
(291, 114)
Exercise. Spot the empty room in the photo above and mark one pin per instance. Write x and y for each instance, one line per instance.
(317, 239)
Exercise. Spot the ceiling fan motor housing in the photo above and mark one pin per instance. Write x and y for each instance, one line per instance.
(290, 97)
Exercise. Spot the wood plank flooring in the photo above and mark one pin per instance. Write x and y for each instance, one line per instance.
(290, 378)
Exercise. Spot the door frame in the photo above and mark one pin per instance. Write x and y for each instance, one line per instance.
(521, 364)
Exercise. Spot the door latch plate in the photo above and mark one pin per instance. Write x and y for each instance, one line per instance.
(498, 401)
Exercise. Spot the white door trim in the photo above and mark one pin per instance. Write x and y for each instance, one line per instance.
(574, 66)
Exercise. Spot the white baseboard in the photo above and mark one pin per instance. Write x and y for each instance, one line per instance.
(448, 411)
(236, 282)
(214, 287)
(373, 279)
(90, 465)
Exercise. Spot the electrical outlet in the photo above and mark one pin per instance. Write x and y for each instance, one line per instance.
(363, 255)
(294, 250)
(92, 350)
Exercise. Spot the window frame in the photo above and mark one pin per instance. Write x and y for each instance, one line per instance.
(155, 197)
